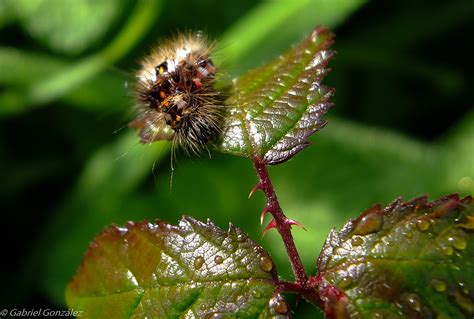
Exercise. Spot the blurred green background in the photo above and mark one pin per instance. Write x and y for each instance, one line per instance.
(403, 124)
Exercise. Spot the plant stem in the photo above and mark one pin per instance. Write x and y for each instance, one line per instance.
(282, 223)
(309, 293)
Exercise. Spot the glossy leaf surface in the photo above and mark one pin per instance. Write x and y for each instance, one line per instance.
(194, 270)
(275, 108)
(409, 260)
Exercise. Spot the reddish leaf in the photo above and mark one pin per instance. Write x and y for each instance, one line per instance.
(193, 270)
(409, 260)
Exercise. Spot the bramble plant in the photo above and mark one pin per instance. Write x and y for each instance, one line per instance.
(403, 126)
(410, 259)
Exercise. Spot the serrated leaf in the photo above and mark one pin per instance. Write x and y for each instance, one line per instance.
(194, 270)
(67, 26)
(409, 260)
(274, 109)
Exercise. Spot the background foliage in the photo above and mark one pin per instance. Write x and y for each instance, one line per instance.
(403, 124)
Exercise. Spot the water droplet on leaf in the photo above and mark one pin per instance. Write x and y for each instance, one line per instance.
(413, 302)
(460, 243)
(198, 262)
(357, 241)
(369, 222)
(122, 230)
(439, 285)
(266, 263)
(218, 259)
(423, 224)
(447, 250)
(256, 293)
(278, 304)
(468, 225)
(463, 287)
(345, 282)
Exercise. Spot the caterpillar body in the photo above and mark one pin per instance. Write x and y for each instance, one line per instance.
(175, 95)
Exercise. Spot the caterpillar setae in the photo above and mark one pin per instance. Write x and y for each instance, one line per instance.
(175, 95)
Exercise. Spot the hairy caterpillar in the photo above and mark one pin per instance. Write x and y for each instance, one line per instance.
(175, 95)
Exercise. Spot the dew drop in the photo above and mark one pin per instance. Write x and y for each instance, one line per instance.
(218, 259)
(409, 235)
(378, 315)
(122, 230)
(256, 293)
(278, 304)
(460, 243)
(152, 227)
(413, 302)
(357, 241)
(266, 263)
(447, 250)
(198, 262)
(345, 282)
(463, 287)
(439, 285)
(423, 224)
(369, 222)
(468, 225)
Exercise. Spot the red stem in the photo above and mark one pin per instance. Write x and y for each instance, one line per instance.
(283, 224)
(309, 293)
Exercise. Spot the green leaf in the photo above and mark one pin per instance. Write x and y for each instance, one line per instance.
(274, 109)
(63, 80)
(67, 26)
(409, 260)
(194, 270)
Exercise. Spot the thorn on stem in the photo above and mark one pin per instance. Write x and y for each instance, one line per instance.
(254, 189)
(271, 225)
(262, 215)
(292, 222)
